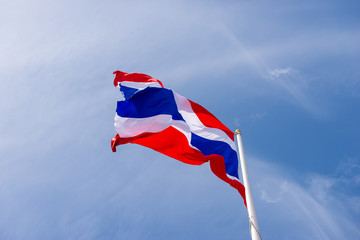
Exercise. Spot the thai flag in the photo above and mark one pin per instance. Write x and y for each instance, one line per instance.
(159, 118)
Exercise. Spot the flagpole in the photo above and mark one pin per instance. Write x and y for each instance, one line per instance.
(254, 229)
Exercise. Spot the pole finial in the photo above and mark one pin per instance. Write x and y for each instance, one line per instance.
(238, 132)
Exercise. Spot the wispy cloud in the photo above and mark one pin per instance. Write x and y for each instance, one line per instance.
(315, 206)
(258, 116)
(279, 72)
(295, 86)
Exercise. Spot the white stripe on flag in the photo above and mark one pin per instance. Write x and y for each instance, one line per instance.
(140, 85)
(131, 127)
(196, 126)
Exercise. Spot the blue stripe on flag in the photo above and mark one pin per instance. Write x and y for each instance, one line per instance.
(148, 103)
(127, 91)
(208, 147)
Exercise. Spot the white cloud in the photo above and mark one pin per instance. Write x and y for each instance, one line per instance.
(258, 116)
(315, 208)
(278, 72)
(295, 88)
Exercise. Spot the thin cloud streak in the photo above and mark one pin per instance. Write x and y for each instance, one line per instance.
(324, 216)
(286, 79)
(295, 86)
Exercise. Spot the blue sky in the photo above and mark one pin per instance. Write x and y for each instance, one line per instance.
(285, 72)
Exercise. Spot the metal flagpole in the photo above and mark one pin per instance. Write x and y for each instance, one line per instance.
(254, 229)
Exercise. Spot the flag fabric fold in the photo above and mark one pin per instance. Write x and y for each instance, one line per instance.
(159, 118)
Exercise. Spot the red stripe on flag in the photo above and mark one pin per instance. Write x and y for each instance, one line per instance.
(170, 142)
(210, 120)
(173, 143)
(217, 166)
(133, 77)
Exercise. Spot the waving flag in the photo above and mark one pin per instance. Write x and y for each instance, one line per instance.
(158, 118)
